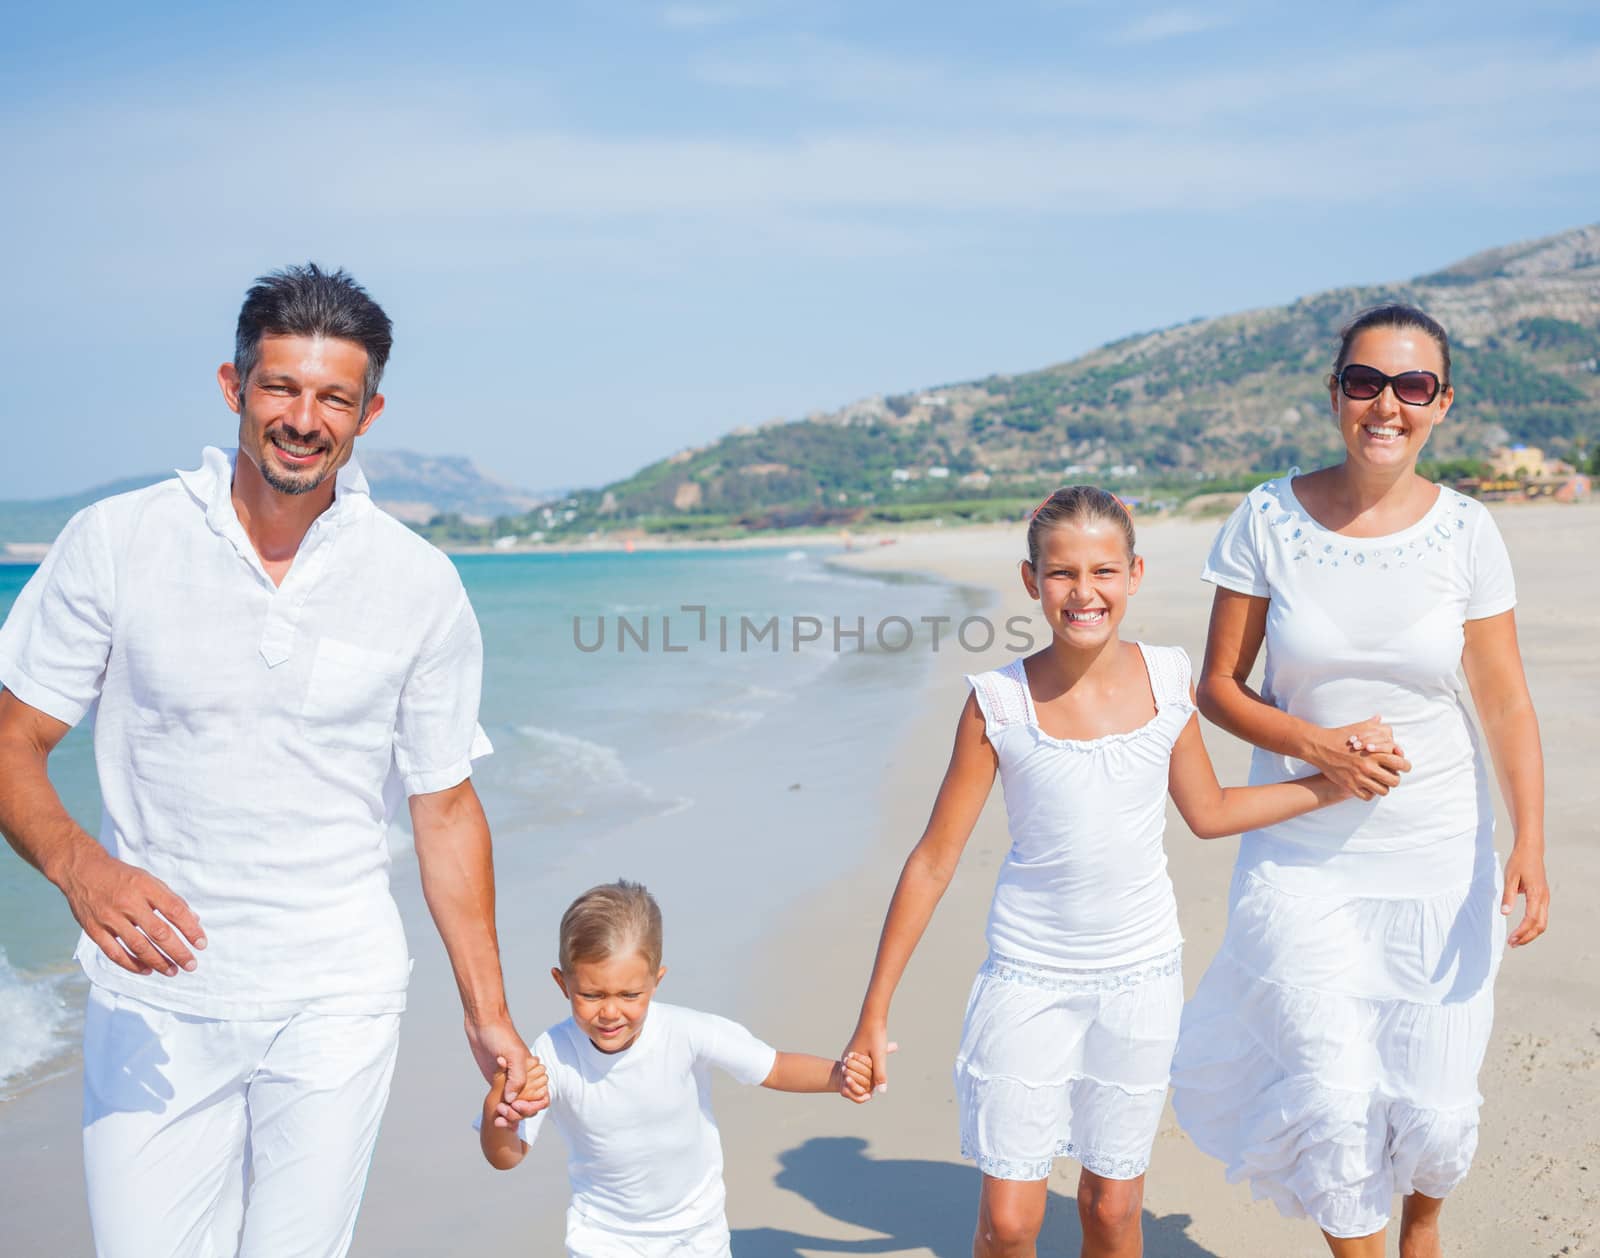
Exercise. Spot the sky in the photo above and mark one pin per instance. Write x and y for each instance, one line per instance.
(606, 231)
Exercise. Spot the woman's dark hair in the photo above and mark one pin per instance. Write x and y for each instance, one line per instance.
(1394, 315)
(308, 301)
(1077, 504)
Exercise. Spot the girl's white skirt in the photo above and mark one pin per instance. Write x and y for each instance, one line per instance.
(1067, 1063)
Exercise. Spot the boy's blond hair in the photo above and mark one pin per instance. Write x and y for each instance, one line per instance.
(611, 920)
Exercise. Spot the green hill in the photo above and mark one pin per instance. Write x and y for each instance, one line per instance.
(1212, 400)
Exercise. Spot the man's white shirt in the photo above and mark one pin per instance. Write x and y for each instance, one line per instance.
(253, 741)
(643, 1152)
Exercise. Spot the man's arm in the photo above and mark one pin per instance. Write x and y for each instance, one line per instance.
(457, 866)
(132, 916)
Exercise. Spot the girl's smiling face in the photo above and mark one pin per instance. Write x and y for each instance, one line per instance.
(610, 997)
(1083, 580)
(1384, 432)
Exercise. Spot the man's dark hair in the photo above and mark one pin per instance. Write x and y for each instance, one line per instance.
(308, 301)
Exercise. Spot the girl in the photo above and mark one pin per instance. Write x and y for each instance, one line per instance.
(632, 1099)
(1071, 1022)
(1331, 1052)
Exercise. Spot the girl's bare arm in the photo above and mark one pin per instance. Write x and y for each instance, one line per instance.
(1212, 810)
(923, 880)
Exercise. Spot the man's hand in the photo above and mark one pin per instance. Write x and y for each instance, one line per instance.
(133, 917)
(496, 1045)
(535, 1092)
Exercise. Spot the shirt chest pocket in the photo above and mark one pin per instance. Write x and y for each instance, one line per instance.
(352, 697)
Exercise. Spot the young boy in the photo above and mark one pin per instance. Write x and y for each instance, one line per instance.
(633, 1102)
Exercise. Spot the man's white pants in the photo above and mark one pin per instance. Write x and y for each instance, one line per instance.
(208, 1138)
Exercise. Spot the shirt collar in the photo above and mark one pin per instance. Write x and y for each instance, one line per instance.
(211, 484)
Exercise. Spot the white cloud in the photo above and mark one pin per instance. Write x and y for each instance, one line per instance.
(450, 173)
(1169, 24)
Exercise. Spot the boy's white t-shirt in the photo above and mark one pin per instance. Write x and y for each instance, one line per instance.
(643, 1153)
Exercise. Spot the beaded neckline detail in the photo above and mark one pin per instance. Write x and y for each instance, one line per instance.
(1312, 543)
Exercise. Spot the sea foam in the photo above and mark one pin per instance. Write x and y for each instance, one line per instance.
(572, 777)
(36, 1025)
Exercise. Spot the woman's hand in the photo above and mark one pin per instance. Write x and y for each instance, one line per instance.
(1360, 759)
(1525, 877)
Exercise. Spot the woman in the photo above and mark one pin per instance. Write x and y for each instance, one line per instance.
(1331, 1052)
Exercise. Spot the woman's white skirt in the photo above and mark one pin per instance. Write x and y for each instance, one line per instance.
(1066, 1063)
(1330, 1054)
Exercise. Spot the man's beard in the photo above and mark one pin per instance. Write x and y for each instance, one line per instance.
(290, 484)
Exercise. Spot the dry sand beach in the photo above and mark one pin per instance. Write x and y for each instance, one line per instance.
(888, 1180)
(815, 1176)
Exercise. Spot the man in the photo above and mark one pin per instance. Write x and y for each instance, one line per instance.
(276, 664)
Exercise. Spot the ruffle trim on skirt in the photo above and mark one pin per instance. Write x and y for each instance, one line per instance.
(1338, 1158)
(1021, 1118)
(1103, 1165)
(1330, 1104)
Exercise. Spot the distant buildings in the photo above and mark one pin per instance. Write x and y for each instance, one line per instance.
(1523, 471)
(1517, 462)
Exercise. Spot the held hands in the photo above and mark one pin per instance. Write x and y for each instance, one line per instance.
(497, 1046)
(854, 1071)
(1360, 759)
(533, 1096)
(132, 916)
(866, 1063)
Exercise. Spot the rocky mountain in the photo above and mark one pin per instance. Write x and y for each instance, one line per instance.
(1213, 398)
(415, 487)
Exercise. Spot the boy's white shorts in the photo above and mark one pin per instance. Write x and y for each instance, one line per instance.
(586, 1239)
(205, 1136)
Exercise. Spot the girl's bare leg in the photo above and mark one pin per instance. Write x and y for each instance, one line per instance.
(1356, 1246)
(1419, 1227)
(1010, 1214)
(1109, 1211)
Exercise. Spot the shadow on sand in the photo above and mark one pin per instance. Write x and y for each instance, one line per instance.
(917, 1205)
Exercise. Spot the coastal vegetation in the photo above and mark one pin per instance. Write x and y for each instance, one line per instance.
(1208, 406)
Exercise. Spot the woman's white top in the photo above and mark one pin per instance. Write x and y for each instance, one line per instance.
(1361, 627)
(1085, 883)
(643, 1153)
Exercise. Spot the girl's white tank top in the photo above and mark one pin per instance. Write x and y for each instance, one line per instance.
(1085, 883)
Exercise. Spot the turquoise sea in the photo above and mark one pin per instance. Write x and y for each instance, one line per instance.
(703, 716)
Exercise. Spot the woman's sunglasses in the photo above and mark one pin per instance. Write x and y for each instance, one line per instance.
(1361, 383)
